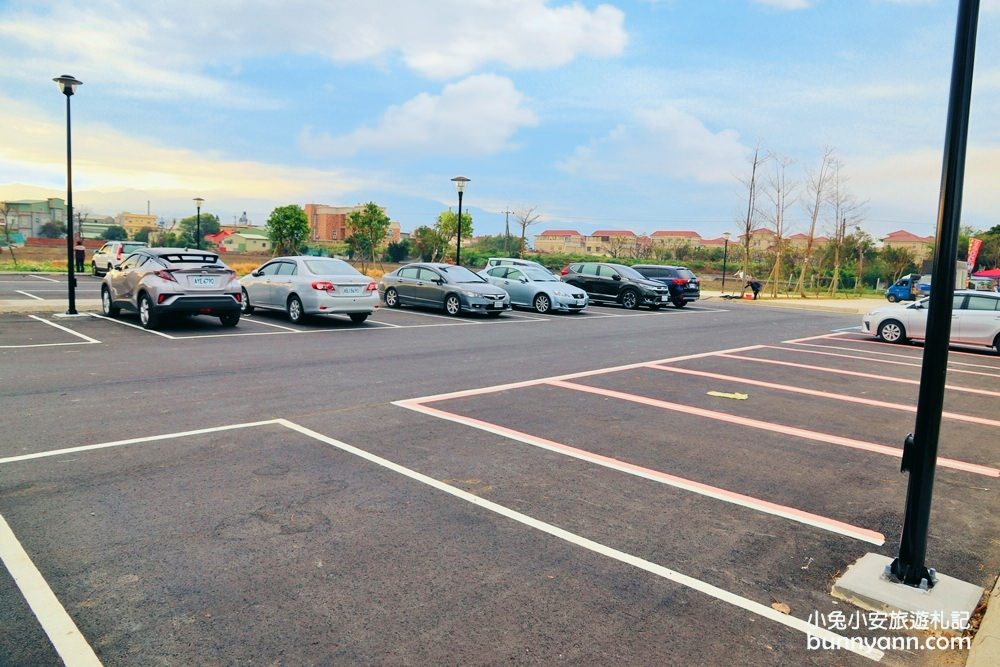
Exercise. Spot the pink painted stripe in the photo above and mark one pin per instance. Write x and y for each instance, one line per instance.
(740, 499)
(898, 356)
(773, 428)
(878, 361)
(868, 340)
(824, 394)
(837, 371)
(802, 340)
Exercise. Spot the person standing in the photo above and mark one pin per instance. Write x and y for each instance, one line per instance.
(80, 251)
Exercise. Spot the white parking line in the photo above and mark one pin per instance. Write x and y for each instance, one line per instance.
(87, 340)
(29, 295)
(250, 318)
(879, 361)
(67, 330)
(911, 357)
(128, 324)
(51, 280)
(66, 638)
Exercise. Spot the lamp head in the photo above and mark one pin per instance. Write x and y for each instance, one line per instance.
(460, 182)
(726, 235)
(67, 84)
(198, 201)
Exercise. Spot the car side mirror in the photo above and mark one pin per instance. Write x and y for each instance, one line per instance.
(117, 267)
(616, 277)
(438, 281)
(523, 280)
(256, 274)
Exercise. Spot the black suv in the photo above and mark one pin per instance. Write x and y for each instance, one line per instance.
(617, 283)
(684, 286)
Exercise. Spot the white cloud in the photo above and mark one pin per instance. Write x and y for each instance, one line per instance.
(664, 142)
(476, 116)
(790, 5)
(168, 48)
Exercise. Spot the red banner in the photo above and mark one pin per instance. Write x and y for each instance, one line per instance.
(974, 246)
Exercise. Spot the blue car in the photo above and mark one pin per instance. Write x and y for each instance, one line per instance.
(535, 287)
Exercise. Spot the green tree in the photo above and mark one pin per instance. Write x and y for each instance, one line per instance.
(369, 227)
(398, 251)
(428, 243)
(115, 233)
(447, 225)
(52, 230)
(899, 261)
(188, 229)
(143, 234)
(288, 229)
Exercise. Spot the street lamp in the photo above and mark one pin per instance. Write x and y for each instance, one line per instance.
(725, 260)
(67, 86)
(198, 201)
(459, 182)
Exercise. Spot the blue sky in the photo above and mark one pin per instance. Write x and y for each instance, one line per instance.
(622, 115)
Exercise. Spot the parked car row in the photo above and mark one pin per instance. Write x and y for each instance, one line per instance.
(155, 282)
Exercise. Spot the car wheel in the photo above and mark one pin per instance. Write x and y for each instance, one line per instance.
(358, 318)
(107, 308)
(891, 331)
(892, 298)
(630, 299)
(996, 344)
(392, 298)
(229, 319)
(245, 306)
(147, 316)
(679, 303)
(93, 269)
(295, 312)
(452, 305)
(542, 303)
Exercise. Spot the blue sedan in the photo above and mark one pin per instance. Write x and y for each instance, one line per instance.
(535, 288)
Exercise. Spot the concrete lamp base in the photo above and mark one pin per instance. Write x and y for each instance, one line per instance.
(866, 585)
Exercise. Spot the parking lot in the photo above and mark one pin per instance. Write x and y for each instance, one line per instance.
(610, 487)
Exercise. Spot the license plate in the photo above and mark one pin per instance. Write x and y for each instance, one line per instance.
(579, 302)
(351, 290)
(496, 305)
(203, 281)
(664, 298)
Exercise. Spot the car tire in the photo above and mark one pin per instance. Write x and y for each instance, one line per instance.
(245, 306)
(996, 344)
(679, 303)
(391, 298)
(230, 319)
(891, 298)
(107, 307)
(358, 318)
(542, 303)
(93, 269)
(148, 317)
(294, 309)
(892, 331)
(630, 299)
(452, 305)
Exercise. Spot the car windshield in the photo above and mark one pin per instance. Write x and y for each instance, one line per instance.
(330, 267)
(460, 274)
(539, 275)
(629, 272)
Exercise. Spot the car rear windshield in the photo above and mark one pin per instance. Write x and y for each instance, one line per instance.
(133, 246)
(190, 258)
(331, 267)
(686, 273)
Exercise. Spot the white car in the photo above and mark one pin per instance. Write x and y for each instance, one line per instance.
(306, 285)
(975, 320)
(112, 253)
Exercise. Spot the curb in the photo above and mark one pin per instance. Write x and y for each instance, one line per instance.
(985, 651)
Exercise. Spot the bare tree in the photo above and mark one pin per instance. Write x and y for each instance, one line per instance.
(847, 214)
(781, 194)
(817, 191)
(525, 217)
(748, 224)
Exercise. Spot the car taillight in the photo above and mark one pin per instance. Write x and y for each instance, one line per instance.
(371, 287)
(565, 271)
(238, 296)
(680, 281)
(165, 275)
(324, 285)
(118, 255)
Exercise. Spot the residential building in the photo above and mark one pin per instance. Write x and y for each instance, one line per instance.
(920, 246)
(801, 241)
(718, 243)
(561, 241)
(135, 222)
(675, 238)
(762, 239)
(244, 242)
(25, 217)
(612, 243)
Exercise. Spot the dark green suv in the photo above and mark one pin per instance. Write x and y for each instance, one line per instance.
(616, 283)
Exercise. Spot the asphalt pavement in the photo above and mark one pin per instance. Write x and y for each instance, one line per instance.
(429, 490)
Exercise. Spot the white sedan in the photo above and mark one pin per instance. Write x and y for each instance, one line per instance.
(305, 285)
(975, 320)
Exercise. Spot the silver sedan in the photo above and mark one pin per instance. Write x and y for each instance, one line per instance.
(975, 320)
(305, 285)
(531, 287)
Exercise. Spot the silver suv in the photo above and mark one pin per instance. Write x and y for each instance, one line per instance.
(158, 281)
(111, 253)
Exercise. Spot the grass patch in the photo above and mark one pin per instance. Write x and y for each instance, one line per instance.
(33, 267)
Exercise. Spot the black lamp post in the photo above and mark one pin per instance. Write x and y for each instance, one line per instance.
(725, 260)
(460, 182)
(198, 201)
(67, 86)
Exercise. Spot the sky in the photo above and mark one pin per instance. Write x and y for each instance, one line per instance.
(636, 115)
